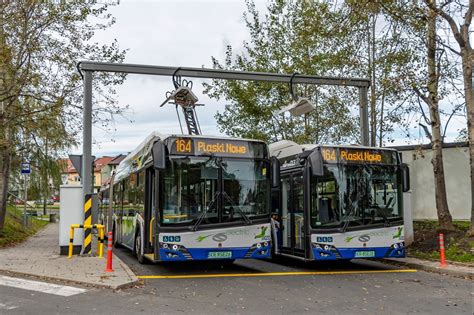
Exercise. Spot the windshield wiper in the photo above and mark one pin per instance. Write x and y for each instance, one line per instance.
(384, 215)
(244, 216)
(349, 215)
(347, 220)
(203, 214)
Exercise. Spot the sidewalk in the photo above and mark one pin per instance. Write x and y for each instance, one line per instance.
(39, 256)
(433, 266)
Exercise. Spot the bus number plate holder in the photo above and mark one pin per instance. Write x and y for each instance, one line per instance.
(219, 255)
(364, 253)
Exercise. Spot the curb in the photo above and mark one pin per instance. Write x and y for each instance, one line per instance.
(69, 281)
(440, 270)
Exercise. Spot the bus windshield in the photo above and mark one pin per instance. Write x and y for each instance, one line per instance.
(218, 189)
(355, 195)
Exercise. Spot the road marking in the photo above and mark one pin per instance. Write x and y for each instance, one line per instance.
(6, 307)
(43, 287)
(269, 274)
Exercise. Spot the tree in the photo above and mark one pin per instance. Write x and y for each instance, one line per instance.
(432, 100)
(425, 88)
(292, 38)
(449, 11)
(40, 88)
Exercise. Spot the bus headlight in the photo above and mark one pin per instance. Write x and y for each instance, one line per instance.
(175, 247)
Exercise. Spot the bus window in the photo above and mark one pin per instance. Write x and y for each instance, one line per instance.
(140, 194)
(324, 200)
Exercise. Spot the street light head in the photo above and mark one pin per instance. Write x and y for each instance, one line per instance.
(300, 107)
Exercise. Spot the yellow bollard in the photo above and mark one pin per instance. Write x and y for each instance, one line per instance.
(101, 237)
(71, 239)
(101, 240)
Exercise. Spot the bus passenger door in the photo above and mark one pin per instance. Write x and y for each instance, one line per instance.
(150, 210)
(292, 214)
(298, 214)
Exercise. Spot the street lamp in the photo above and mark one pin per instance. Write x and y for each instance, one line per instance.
(300, 105)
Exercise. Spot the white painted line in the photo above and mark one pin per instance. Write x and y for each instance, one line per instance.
(6, 307)
(43, 287)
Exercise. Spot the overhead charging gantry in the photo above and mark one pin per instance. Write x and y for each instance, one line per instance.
(87, 68)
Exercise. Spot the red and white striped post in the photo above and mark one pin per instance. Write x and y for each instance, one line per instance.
(108, 267)
(442, 256)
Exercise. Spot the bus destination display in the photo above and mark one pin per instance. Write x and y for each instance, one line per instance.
(218, 147)
(346, 155)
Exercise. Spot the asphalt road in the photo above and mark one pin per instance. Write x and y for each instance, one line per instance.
(351, 288)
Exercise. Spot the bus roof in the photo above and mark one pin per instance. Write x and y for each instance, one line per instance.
(286, 148)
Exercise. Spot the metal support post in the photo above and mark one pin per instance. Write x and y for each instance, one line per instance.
(25, 215)
(364, 116)
(86, 175)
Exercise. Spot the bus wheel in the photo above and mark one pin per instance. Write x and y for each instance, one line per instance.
(138, 248)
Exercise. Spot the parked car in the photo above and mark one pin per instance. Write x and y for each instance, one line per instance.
(41, 202)
(55, 198)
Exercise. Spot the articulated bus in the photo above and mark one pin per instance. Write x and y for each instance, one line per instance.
(339, 202)
(181, 198)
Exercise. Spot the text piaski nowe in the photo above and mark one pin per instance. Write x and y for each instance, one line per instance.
(221, 147)
(353, 156)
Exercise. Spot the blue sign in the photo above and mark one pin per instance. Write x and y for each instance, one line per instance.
(324, 239)
(171, 238)
(25, 168)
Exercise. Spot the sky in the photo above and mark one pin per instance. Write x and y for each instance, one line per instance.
(166, 33)
(176, 33)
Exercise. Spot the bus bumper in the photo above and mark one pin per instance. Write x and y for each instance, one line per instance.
(333, 253)
(180, 253)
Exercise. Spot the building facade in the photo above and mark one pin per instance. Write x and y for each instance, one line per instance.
(457, 177)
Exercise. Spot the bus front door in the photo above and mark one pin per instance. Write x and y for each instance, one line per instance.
(292, 215)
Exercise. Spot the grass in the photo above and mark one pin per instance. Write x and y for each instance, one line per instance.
(458, 246)
(13, 232)
(48, 207)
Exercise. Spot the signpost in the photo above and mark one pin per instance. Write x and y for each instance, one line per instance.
(25, 170)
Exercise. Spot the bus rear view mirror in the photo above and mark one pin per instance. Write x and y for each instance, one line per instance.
(275, 172)
(316, 162)
(159, 155)
(405, 178)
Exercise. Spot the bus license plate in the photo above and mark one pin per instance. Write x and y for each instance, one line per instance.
(364, 254)
(219, 255)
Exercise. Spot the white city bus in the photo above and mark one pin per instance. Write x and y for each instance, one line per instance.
(190, 197)
(339, 202)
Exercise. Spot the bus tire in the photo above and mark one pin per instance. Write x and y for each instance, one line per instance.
(138, 247)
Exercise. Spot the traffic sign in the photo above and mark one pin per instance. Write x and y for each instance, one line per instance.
(25, 168)
(76, 161)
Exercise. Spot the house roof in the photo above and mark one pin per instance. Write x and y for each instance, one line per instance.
(101, 162)
(66, 166)
(116, 160)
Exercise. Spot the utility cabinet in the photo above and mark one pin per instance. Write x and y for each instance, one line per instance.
(70, 212)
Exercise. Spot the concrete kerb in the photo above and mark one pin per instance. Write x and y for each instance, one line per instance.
(64, 281)
(39, 257)
(462, 271)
